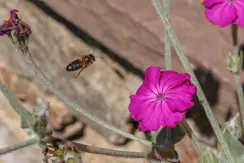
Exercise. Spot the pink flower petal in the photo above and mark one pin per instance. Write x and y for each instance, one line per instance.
(166, 75)
(165, 118)
(138, 105)
(211, 3)
(145, 91)
(179, 104)
(176, 80)
(152, 77)
(222, 14)
(142, 127)
(174, 118)
(239, 5)
(180, 98)
(151, 118)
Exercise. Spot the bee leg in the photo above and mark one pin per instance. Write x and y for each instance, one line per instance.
(79, 73)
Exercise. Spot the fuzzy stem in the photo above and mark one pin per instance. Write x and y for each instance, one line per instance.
(109, 152)
(168, 58)
(240, 95)
(234, 32)
(26, 117)
(69, 103)
(194, 80)
(19, 146)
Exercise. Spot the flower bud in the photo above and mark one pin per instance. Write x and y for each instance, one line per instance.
(234, 62)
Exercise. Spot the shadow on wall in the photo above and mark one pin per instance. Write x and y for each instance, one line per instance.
(210, 87)
(242, 50)
(88, 39)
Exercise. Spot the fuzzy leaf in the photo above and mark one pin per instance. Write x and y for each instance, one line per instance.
(234, 126)
(207, 156)
(231, 131)
(233, 62)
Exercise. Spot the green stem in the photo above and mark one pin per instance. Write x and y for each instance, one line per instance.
(168, 58)
(26, 117)
(234, 32)
(240, 95)
(109, 152)
(69, 103)
(19, 146)
(194, 80)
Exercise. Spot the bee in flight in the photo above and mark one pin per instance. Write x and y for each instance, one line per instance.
(83, 62)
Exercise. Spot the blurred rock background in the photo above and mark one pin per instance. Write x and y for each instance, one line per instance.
(129, 37)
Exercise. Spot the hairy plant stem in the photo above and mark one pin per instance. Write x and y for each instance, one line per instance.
(194, 80)
(234, 32)
(69, 103)
(240, 95)
(109, 152)
(168, 58)
(26, 117)
(26, 143)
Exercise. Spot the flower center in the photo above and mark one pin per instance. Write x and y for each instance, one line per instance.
(160, 96)
(232, 1)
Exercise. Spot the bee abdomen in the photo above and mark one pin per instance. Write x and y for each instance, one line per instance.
(75, 65)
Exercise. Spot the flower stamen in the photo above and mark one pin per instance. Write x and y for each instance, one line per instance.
(160, 96)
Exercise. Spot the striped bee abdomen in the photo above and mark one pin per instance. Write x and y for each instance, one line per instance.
(75, 65)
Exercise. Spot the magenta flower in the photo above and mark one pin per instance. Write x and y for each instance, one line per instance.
(16, 25)
(162, 99)
(225, 12)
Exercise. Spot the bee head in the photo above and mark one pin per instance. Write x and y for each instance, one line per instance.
(92, 57)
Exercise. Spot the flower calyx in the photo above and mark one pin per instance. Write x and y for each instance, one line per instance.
(234, 62)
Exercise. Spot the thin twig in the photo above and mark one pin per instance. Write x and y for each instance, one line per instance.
(69, 103)
(234, 34)
(109, 152)
(194, 80)
(19, 146)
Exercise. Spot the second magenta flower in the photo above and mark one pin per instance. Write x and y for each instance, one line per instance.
(225, 12)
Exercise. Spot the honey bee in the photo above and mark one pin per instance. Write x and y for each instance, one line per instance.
(83, 62)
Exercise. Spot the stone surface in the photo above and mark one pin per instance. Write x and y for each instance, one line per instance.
(53, 47)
